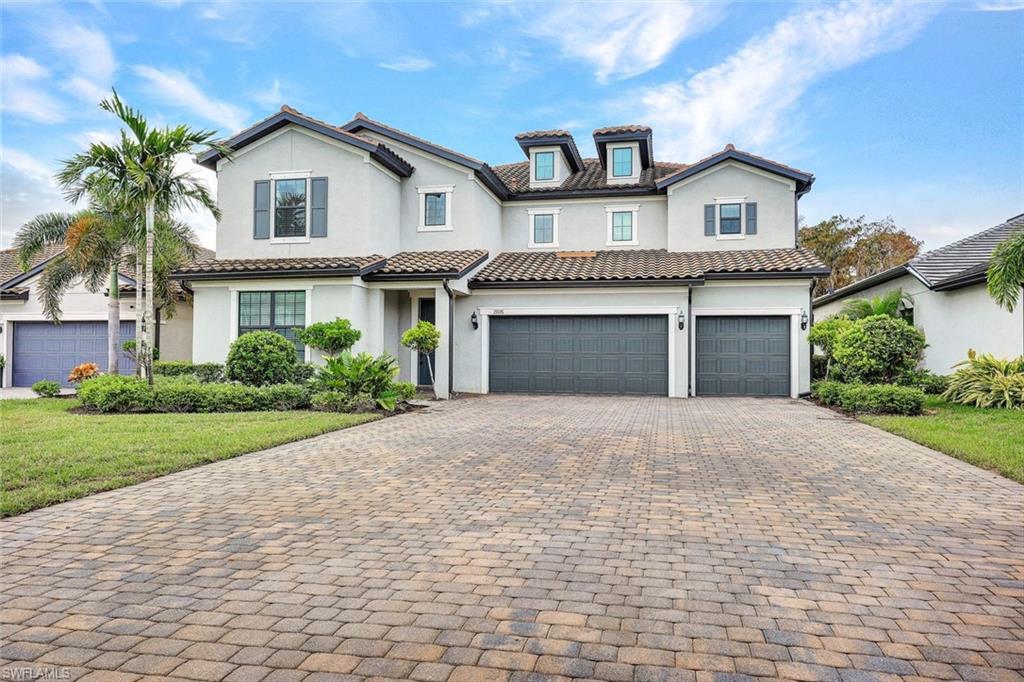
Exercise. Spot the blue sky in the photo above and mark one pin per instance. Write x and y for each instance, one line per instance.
(909, 110)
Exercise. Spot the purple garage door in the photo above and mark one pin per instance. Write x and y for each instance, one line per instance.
(44, 350)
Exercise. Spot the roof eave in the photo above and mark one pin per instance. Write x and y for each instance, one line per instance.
(550, 284)
(577, 193)
(13, 295)
(861, 285)
(567, 145)
(803, 180)
(346, 271)
(420, 276)
(770, 274)
(961, 281)
(646, 140)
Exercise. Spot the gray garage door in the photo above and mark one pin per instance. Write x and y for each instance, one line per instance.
(625, 354)
(43, 350)
(743, 356)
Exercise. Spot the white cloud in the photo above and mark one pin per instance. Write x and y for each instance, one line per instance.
(199, 219)
(408, 64)
(746, 98)
(28, 190)
(618, 39)
(89, 58)
(23, 90)
(1000, 6)
(270, 98)
(177, 89)
(26, 164)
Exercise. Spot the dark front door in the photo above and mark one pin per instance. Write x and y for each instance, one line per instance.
(44, 350)
(617, 354)
(426, 313)
(743, 355)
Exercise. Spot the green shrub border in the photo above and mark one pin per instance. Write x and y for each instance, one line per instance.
(870, 398)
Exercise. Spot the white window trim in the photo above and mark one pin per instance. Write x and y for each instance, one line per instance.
(553, 212)
(447, 190)
(742, 201)
(635, 210)
(288, 175)
(557, 179)
(284, 286)
(623, 179)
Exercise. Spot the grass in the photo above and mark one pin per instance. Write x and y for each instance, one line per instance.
(48, 455)
(988, 438)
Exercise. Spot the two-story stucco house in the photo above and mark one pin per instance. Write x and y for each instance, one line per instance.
(620, 274)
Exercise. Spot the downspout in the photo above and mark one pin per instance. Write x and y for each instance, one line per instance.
(691, 337)
(451, 337)
(156, 334)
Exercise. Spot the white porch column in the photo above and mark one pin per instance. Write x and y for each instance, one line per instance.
(441, 306)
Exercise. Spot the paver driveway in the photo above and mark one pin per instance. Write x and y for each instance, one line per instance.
(611, 538)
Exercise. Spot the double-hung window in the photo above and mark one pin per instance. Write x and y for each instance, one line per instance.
(274, 311)
(622, 226)
(290, 208)
(543, 228)
(434, 210)
(544, 166)
(622, 162)
(729, 219)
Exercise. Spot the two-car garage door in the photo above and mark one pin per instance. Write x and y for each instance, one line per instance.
(628, 354)
(44, 350)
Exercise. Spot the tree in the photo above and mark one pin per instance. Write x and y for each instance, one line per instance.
(887, 304)
(1006, 272)
(140, 170)
(854, 248)
(424, 338)
(330, 338)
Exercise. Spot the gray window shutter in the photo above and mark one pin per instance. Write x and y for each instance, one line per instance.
(318, 208)
(752, 218)
(709, 220)
(261, 210)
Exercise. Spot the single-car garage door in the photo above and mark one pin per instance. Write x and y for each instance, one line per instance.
(44, 350)
(618, 354)
(743, 355)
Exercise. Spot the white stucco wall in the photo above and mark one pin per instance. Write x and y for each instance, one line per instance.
(952, 321)
(176, 334)
(583, 223)
(776, 208)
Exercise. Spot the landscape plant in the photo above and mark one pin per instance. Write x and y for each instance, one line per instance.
(890, 303)
(870, 398)
(824, 334)
(86, 370)
(984, 380)
(46, 388)
(207, 372)
(424, 339)
(877, 350)
(330, 338)
(260, 358)
(113, 393)
(362, 374)
(1005, 276)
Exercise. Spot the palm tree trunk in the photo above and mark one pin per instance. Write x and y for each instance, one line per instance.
(139, 315)
(150, 299)
(113, 322)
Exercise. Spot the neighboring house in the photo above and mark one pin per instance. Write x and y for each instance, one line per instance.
(37, 348)
(947, 299)
(620, 274)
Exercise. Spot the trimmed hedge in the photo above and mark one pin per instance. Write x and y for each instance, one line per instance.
(204, 371)
(114, 393)
(870, 398)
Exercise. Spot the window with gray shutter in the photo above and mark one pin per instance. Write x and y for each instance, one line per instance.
(261, 210)
(318, 208)
(709, 220)
(752, 218)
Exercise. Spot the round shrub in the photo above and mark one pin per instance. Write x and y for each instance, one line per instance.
(877, 350)
(260, 359)
(46, 388)
(330, 338)
(116, 393)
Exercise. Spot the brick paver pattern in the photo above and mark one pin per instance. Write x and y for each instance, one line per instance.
(531, 538)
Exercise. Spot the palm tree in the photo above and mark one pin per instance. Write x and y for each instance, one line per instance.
(140, 169)
(1006, 272)
(887, 304)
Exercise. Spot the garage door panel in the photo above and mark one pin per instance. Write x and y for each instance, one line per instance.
(44, 350)
(739, 355)
(590, 354)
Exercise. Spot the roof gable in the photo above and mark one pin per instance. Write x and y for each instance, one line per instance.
(803, 179)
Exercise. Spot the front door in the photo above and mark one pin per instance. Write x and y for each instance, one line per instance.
(426, 313)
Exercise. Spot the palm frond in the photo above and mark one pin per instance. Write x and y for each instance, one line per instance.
(58, 276)
(44, 230)
(1006, 272)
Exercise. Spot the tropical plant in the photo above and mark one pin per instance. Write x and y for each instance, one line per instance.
(140, 170)
(46, 388)
(1006, 272)
(987, 381)
(890, 303)
(424, 339)
(86, 370)
(362, 374)
(330, 338)
(824, 334)
(878, 350)
(260, 358)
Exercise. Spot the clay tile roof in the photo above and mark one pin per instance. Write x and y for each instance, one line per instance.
(532, 134)
(516, 177)
(10, 268)
(205, 269)
(629, 128)
(642, 264)
(442, 263)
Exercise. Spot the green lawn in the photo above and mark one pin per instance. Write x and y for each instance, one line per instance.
(989, 438)
(48, 455)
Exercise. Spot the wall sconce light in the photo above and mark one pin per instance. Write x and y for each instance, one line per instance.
(803, 319)
(474, 320)
(681, 322)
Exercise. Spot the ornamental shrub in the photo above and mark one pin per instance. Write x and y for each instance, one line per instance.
(424, 338)
(877, 350)
(260, 358)
(303, 372)
(359, 373)
(339, 401)
(330, 338)
(116, 393)
(406, 390)
(80, 373)
(823, 335)
(986, 381)
(203, 371)
(186, 394)
(46, 388)
(870, 398)
(827, 391)
(926, 380)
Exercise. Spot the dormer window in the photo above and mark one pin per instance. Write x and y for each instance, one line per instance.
(544, 166)
(622, 162)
